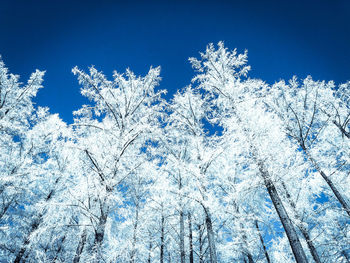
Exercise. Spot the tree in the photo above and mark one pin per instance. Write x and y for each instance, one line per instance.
(112, 135)
(191, 154)
(302, 111)
(220, 74)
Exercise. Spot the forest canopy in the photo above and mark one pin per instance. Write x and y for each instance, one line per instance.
(230, 169)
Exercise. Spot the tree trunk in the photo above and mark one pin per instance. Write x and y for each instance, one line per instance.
(134, 239)
(302, 229)
(345, 256)
(190, 237)
(250, 258)
(149, 252)
(80, 247)
(342, 130)
(182, 237)
(334, 189)
(245, 249)
(294, 241)
(59, 249)
(99, 235)
(100, 231)
(34, 226)
(162, 240)
(210, 235)
(200, 241)
(262, 242)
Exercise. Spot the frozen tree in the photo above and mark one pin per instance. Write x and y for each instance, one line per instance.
(311, 113)
(112, 135)
(220, 73)
(32, 169)
(302, 110)
(47, 171)
(192, 153)
(16, 112)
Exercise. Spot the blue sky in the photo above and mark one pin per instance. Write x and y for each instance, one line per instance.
(283, 38)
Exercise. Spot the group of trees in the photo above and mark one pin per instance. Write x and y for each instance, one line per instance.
(231, 169)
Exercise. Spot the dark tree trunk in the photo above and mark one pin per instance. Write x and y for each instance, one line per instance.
(345, 256)
(294, 241)
(201, 244)
(59, 249)
(162, 240)
(340, 198)
(342, 130)
(99, 235)
(248, 254)
(34, 226)
(134, 239)
(149, 252)
(100, 231)
(302, 229)
(262, 242)
(190, 237)
(182, 238)
(250, 258)
(210, 236)
(80, 247)
(334, 189)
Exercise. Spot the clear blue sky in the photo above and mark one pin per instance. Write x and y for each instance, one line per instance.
(283, 38)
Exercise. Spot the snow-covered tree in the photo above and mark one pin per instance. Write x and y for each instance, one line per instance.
(238, 103)
(112, 135)
(230, 169)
